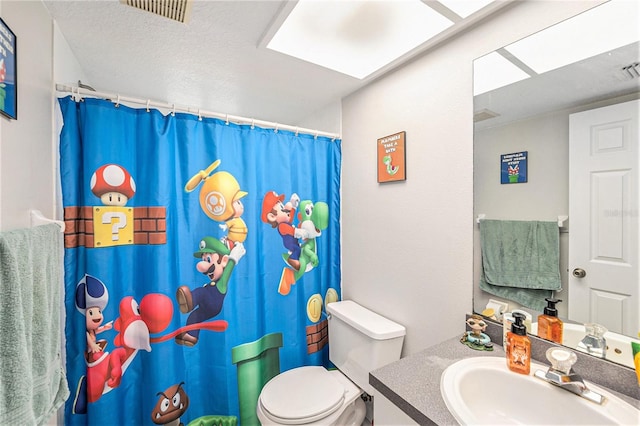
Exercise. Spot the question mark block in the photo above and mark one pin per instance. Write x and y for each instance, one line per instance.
(112, 226)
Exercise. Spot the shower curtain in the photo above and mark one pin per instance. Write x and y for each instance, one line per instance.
(199, 258)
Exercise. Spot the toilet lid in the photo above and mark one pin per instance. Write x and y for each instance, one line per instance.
(304, 394)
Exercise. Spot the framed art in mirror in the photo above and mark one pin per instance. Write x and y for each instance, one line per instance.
(513, 167)
(8, 72)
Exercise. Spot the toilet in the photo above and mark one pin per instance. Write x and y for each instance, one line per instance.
(359, 341)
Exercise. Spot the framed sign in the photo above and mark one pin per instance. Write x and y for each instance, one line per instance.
(8, 73)
(391, 158)
(513, 167)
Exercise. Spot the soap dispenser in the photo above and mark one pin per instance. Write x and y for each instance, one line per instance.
(549, 325)
(518, 346)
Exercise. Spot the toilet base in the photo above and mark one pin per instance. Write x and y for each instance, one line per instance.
(354, 415)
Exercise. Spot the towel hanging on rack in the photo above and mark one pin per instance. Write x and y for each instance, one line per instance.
(30, 331)
(37, 219)
(520, 260)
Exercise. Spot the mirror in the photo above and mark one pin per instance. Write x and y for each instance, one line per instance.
(529, 113)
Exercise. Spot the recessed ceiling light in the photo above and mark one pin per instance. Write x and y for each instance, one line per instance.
(580, 37)
(493, 71)
(356, 38)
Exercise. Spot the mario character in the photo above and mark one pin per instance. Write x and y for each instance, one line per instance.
(113, 185)
(220, 200)
(91, 299)
(202, 303)
(171, 405)
(280, 216)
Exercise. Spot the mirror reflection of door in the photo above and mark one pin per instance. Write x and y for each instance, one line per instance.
(603, 210)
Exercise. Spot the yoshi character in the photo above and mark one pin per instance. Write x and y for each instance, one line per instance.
(313, 218)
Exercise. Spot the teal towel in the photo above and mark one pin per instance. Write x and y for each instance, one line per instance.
(32, 380)
(520, 260)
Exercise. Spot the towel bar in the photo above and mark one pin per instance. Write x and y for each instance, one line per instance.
(561, 219)
(37, 218)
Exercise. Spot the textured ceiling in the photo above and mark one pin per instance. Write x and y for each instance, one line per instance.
(592, 80)
(213, 62)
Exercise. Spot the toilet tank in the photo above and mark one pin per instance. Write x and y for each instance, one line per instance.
(361, 341)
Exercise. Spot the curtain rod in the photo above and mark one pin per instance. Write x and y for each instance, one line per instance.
(78, 92)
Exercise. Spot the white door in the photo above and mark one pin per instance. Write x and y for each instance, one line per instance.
(603, 217)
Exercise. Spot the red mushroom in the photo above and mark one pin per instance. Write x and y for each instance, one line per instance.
(113, 184)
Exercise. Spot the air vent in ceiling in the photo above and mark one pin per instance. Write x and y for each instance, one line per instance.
(178, 10)
(484, 114)
(632, 71)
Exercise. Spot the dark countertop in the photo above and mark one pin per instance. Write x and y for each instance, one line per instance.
(413, 382)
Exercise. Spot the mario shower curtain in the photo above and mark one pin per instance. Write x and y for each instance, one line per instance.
(199, 258)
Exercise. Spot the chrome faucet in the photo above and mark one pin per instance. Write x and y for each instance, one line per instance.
(594, 342)
(559, 374)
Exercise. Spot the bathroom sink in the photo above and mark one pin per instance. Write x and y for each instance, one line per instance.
(483, 391)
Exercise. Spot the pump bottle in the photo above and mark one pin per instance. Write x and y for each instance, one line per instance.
(550, 327)
(518, 346)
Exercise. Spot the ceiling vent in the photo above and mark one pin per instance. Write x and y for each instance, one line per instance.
(177, 10)
(484, 114)
(632, 71)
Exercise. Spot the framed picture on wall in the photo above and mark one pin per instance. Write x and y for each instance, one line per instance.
(513, 167)
(8, 72)
(391, 158)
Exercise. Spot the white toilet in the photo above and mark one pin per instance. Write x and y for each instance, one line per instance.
(359, 341)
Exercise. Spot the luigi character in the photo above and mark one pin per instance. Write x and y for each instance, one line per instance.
(217, 263)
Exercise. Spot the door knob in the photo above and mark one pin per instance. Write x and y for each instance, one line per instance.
(579, 273)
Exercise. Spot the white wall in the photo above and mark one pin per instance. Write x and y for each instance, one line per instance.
(26, 157)
(28, 147)
(408, 247)
(325, 119)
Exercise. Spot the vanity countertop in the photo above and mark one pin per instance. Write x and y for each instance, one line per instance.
(413, 382)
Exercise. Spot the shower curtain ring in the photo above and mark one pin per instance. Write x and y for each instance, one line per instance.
(316, 135)
(227, 120)
(253, 123)
(297, 129)
(148, 101)
(276, 129)
(173, 112)
(118, 102)
(199, 115)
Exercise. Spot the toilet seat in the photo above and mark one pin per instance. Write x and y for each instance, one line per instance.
(302, 395)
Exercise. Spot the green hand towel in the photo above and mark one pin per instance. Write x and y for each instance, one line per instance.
(32, 380)
(520, 260)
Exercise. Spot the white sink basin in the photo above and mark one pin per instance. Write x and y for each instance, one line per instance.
(483, 391)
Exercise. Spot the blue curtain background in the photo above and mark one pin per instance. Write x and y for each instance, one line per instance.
(162, 153)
